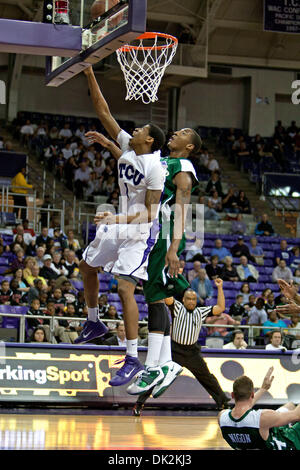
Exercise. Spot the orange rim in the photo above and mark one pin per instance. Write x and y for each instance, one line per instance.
(146, 35)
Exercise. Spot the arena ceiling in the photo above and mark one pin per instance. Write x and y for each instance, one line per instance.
(236, 35)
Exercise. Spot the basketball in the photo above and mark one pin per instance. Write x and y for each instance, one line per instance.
(101, 6)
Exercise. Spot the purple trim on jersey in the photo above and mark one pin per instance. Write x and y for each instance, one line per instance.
(150, 242)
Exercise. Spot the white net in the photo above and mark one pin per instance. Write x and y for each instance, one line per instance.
(144, 65)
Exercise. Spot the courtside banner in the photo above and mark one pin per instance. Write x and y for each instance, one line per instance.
(80, 375)
(282, 16)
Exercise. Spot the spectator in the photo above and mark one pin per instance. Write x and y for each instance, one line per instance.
(59, 300)
(247, 272)
(295, 258)
(26, 234)
(272, 321)
(73, 327)
(283, 253)
(103, 305)
(209, 211)
(35, 274)
(243, 203)
(26, 132)
(35, 310)
(258, 315)
(237, 310)
(245, 291)
(40, 253)
(71, 264)
(65, 133)
(241, 249)
(213, 270)
(294, 330)
(296, 276)
(264, 228)
(72, 242)
(251, 302)
(193, 248)
(20, 189)
(203, 287)
(119, 339)
(57, 266)
(5, 293)
(36, 290)
(68, 291)
(212, 163)
(81, 178)
(256, 252)
(113, 285)
(275, 342)
(38, 335)
(112, 318)
(270, 304)
(219, 250)
(282, 272)
(229, 202)
(46, 271)
(193, 273)
(215, 201)
(220, 331)
(265, 293)
(214, 184)
(67, 151)
(238, 226)
(229, 272)
(59, 332)
(17, 297)
(18, 262)
(79, 303)
(237, 342)
(22, 285)
(43, 239)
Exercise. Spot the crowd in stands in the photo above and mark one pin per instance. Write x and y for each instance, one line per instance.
(41, 271)
(281, 152)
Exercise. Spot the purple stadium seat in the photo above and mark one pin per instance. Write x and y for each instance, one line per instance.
(3, 269)
(143, 315)
(113, 298)
(77, 284)
(4, 261)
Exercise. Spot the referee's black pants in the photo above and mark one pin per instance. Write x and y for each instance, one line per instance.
(191, 358)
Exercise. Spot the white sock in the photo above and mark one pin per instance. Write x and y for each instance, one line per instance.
(131, 347)
(93, 314)
(165, 352)
(155, 341)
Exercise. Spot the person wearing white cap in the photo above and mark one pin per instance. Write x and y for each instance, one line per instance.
(47, 272)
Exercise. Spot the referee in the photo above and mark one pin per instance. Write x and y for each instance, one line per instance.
(186, 325)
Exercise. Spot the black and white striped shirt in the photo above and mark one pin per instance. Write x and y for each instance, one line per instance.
(187, 324)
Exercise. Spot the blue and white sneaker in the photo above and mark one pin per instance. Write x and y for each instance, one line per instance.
(128, 371)
(91, 330)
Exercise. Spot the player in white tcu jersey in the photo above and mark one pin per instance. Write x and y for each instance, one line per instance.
(123, 242)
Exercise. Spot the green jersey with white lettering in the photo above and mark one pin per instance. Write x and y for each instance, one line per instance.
(243, 433)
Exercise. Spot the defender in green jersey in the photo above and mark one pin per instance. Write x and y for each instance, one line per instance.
(244, 428)
(164, 279)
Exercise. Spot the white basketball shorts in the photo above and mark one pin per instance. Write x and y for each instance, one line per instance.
(122, 249)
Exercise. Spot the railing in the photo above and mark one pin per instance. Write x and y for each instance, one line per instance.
(51, 319)
(88, 215)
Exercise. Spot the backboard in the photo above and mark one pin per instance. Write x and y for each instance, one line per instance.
(117, 26)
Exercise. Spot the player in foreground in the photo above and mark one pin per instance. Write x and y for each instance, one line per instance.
(123, 241)
(244, 428)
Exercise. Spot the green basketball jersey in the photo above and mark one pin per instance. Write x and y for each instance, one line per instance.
(243, 433)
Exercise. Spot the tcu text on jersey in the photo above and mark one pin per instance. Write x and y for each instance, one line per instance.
(128, 172)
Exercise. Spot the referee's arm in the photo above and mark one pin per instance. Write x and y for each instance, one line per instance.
(220, 307)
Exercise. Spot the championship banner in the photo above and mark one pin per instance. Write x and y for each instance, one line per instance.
(282, 16)
(79, 375)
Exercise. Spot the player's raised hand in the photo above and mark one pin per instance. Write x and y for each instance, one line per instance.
(93, 137)
(219, 282)
(267, 382)
(287, 289)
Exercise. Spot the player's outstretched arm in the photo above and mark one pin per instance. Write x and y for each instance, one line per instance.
(270, 418)
(183, 182)
(101, 106)
(220, 307)
(267, 382)
(106, 143)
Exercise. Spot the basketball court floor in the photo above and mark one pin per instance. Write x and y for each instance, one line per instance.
(100, 430)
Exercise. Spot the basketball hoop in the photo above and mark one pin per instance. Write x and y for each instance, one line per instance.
(144, 64)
